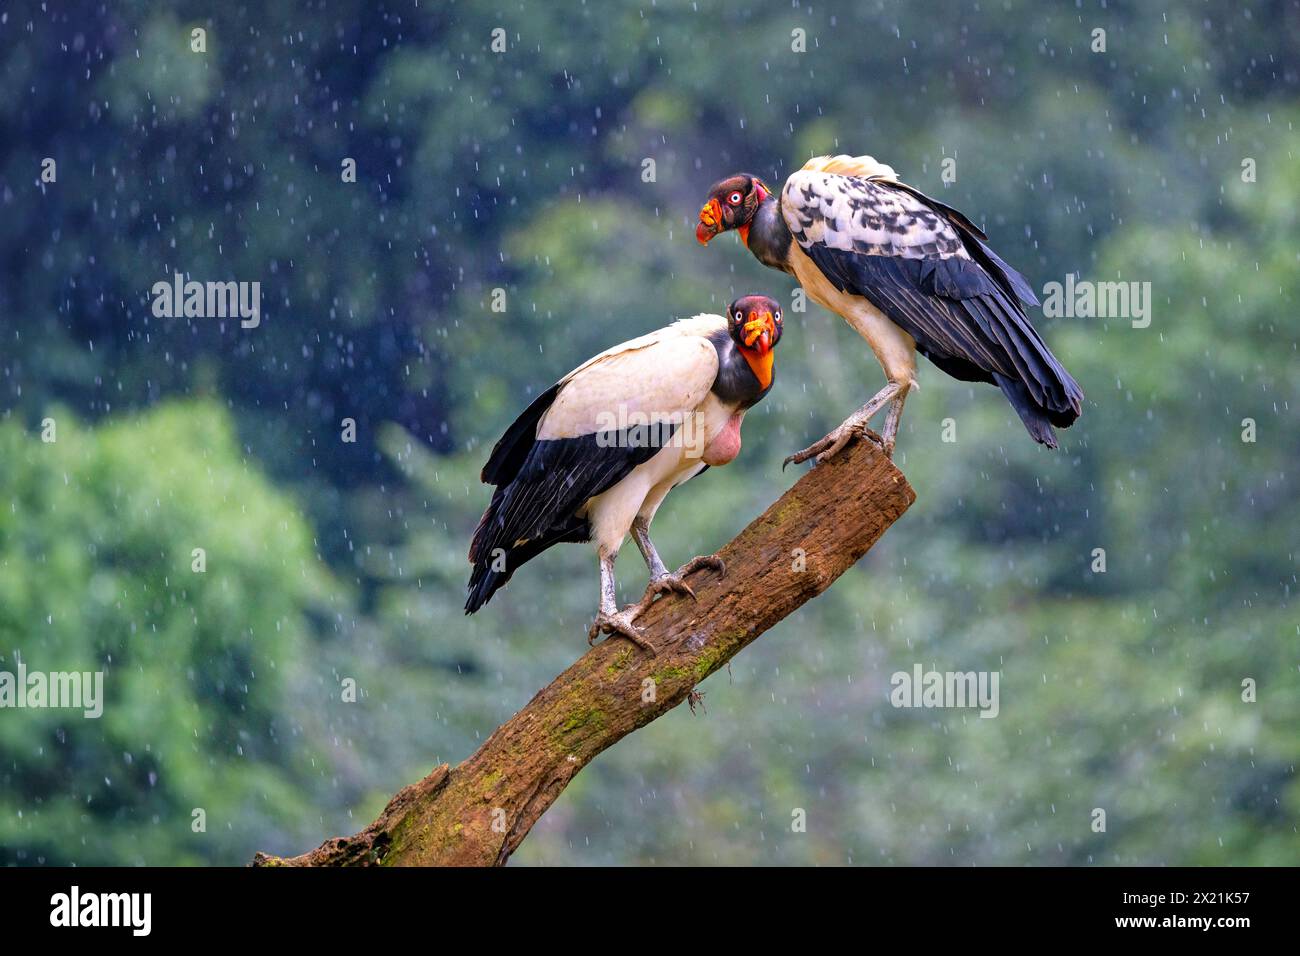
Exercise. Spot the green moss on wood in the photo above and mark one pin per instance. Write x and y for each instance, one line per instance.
(668, 673)
(789, 510)
(707, 662)
(584, 717)
(619, 664)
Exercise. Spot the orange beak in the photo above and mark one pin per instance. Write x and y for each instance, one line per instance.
(760, 332)
(710, 223)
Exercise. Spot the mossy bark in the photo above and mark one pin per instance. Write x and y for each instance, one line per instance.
(477, 813)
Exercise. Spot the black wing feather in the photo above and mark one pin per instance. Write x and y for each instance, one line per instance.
(961, 319)
(512, 448)
(930, 270)
(976, 243)
(536, 508)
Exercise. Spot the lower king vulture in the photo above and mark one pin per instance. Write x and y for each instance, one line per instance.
(910, 275)
(592, 458)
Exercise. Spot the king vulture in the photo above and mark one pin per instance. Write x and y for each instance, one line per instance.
(594, 455)
(910, 275)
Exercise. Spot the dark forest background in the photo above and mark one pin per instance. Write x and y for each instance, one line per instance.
(523, 170)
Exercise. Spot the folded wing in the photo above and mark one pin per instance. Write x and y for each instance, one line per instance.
(580, 438)
(930, 271)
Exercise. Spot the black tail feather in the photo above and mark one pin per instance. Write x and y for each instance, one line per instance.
(990, 296)
(1037, 419)
(484, 581)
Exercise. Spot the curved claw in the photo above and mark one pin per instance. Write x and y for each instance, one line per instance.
(711, 561)
(706, 561)
(672, 582)
(621, 624)
(816, 447)
(830, 445)
(675, 581)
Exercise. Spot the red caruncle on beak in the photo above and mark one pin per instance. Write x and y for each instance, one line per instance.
(710, 223)
(760, 331)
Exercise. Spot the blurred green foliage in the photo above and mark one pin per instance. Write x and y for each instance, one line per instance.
(523, 171)
(97, 573)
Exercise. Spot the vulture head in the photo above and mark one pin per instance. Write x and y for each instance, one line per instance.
(754, 322)
(732, 204)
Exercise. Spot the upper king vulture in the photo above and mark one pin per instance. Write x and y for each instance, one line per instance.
(910, 275)
(594, 455)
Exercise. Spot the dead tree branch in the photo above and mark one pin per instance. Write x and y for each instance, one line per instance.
(477, 813)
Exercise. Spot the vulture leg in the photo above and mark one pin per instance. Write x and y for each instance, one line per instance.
(677, 580)
(609, 619)
(892, 418)
(641, 534)
(855, 426)
(661, 579)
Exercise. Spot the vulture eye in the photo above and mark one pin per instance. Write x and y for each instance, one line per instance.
(778, 316)
(735, 198)
(740, 316)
